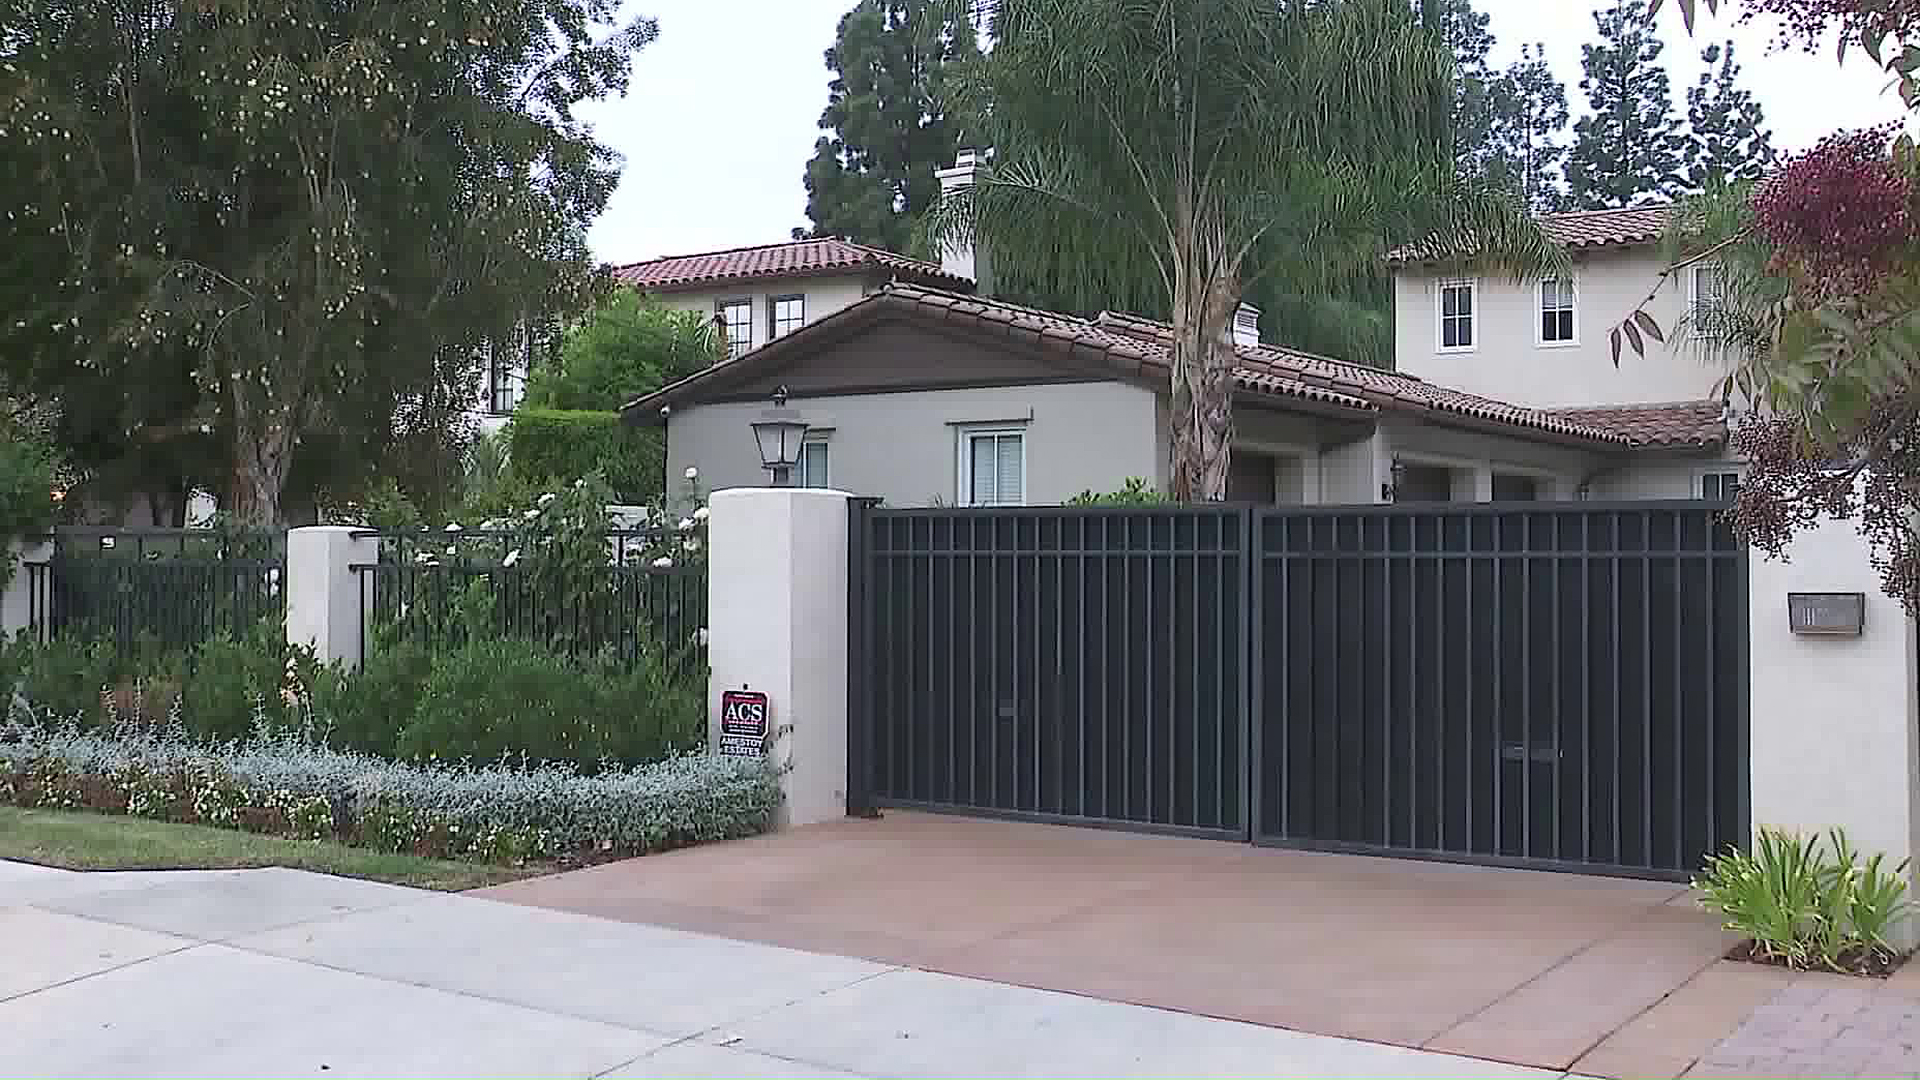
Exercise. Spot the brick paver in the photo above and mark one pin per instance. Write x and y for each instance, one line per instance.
(1822, 1029)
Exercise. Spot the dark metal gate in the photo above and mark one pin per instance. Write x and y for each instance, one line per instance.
(1550, 685)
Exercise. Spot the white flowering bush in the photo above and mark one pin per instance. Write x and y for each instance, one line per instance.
(287, 783)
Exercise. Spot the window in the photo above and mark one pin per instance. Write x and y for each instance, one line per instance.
(1719, 486)
(506, 379)
(736, 318)
(785, 314)
(813, 464)
(1709, 288)
(993, 468)
(1556, 312)
(1458, 315)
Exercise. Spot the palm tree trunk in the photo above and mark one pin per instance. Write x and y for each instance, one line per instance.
(1201, 439)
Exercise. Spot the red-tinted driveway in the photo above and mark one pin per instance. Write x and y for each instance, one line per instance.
(1515, 965)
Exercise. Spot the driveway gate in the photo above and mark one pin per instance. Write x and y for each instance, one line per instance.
(1551, 685)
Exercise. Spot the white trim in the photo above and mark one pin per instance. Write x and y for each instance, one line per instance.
(1700, 478)
(819, 439)
(963, 463)
(1693, 282)
(1472, 286)
(1540, 310)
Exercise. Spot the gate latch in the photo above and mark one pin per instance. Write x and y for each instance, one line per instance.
(1541, 755)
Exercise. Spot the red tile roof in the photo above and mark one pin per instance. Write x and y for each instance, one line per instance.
(1671, 423)
(792, 259)
(1144, 346)
(1579, 230)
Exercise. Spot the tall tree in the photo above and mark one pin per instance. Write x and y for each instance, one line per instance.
(889, 115)
(1727, 138)
(1188, 142)
(326, 206)
(1466, 32)
(1629, 145)
(1529, 116)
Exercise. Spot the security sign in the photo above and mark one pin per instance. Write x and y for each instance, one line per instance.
(743, 723)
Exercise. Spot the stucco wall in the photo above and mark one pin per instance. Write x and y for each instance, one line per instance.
(1833, 721)
(1508, 362)
(904, 447)
(1351, 473)
(825, 295)
(1476, 457)
(1659, 478)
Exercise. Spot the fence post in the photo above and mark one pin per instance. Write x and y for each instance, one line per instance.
(777, 579)
(323, 591)
(1834, 720)
(16, 601)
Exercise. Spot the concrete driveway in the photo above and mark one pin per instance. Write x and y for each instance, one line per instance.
(284, 973)
(1554, 971)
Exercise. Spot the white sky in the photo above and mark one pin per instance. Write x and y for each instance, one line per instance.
(722, 112)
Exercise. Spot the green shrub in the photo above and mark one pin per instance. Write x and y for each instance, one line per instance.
(558, 446)
(1803, 902)
(66, 677)
(504, 698)
(26, 495)
(232, 678)
(367, 709)
(1135, 492)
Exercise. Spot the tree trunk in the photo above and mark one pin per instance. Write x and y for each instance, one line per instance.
(262, 450)
(1201, 439)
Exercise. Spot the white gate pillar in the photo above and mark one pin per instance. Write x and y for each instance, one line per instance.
(1834, 730)
(323, 590)
(777, 624)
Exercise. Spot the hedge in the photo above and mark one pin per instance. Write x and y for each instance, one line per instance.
(561, 445)
(284, 783)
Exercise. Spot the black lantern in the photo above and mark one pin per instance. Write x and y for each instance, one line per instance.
(779, 431)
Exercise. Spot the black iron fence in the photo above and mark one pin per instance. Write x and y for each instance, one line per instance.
(154, 590)
(1553, 685)
(438, 590)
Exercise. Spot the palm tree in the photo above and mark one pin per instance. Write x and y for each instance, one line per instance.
(1204, 146)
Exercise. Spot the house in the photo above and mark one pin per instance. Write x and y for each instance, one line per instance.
(924, 397)
(1546, 343)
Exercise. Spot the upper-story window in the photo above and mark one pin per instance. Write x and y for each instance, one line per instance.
(813, 463)
(506, 378)
(1709, 287)
(1557, 326)
(736, 318)
(1459, 315)
(785, 314)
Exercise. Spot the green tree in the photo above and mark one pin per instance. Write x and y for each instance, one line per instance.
(326, 206)
(890, 120)
(1629, 145)
(626, 347)
(1466, 32)
(1727, 138)
(1190, 143)
(1529, 107)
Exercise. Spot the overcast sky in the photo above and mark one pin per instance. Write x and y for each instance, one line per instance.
(724, 108)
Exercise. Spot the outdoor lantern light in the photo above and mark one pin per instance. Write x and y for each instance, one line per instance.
(1391, 491)
(779, 432)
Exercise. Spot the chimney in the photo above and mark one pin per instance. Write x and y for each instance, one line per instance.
(1246, 324)
(961, 258)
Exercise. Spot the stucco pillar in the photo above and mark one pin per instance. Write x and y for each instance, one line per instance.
(16, 601)
(1833, 719)
(323, 591)
(777, 623)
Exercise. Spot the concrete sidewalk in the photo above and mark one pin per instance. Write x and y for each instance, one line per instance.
(286, 973)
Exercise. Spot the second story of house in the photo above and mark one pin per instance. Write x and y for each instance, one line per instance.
(757, 294)
(1545, 343)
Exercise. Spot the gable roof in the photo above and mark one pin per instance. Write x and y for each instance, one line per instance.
(797, 258)
(1143, 347)
(1576, 230)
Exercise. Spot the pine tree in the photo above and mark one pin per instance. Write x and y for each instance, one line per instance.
(1727, 139)
(1630, 143)
(893, 64)
(1466, 32)
(1528, 108)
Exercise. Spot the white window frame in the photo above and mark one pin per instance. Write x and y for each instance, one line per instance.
(1700, 479)
(1472, 285)
(1540, 311)
(726, 327)
(1693, 282)
(800, 477)
(773, 314)
(963, 473)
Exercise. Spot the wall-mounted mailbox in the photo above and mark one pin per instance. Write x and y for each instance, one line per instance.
(1827, 614)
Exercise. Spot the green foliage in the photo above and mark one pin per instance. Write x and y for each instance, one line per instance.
(627, 347)
(1527, 107)
(1804, 902)
(26, 496)
(1728, 141)
(1629, 145)
(367, 709)
(235, 681)
(892, 118)
(553, 448)
(1137, 491)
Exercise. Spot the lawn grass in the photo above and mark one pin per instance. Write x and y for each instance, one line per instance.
(78, 840)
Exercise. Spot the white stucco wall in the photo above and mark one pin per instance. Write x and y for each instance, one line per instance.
(905, 447)
(1508, 362)
(1660, 478)
(825, 295)
(1475, 457)
(1833, 720)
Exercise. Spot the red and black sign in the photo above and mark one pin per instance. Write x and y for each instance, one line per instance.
(743, 723)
